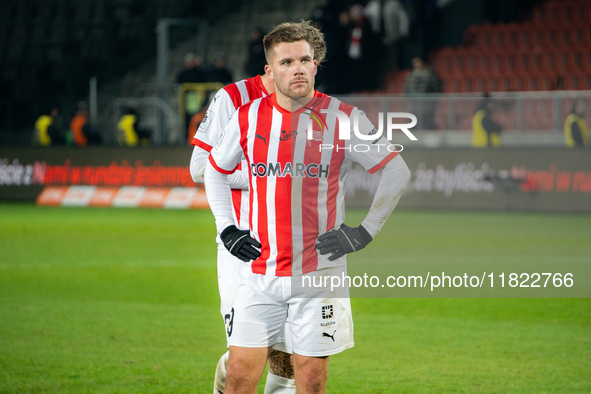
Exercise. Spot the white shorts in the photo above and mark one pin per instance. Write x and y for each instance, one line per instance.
(318, 326)
(228, 280)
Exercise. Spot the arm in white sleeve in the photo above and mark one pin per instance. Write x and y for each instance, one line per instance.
(200, 159)
(239, 178)
(395, 176)
(219, 197)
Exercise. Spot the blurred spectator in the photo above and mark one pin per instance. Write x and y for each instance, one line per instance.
(422, 80)
(129, 130)
(195, 122)
(324, 14)
(47, 129)
(82, 133)
(363, 52)
(485, 131)
(219, 72)
(334, 24)
(255, 63)
(576, 131)
(192, 71)
(423, 23)
(390, 22)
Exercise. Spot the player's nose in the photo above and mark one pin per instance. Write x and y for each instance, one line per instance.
(299, 69)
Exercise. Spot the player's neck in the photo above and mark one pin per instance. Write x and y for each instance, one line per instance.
(292, 103)
(268, 83)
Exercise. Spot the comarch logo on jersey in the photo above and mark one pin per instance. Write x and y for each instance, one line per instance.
(372, 137)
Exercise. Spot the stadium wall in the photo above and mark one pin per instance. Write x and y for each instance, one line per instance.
(541, 179)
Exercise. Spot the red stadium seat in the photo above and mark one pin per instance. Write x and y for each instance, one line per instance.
(480, 84)
(538, 16)
(577, 81)
(529, 84)
(452, 85)
(442, 62)
(511, 38)
(586, 38)
(579, 37)
(470, 35)
(395, 81)
(470, 56)
(586, 61)
(517, 84)
(521, 64)
(552, 12)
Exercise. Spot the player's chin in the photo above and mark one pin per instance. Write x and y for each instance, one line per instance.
(301, 90)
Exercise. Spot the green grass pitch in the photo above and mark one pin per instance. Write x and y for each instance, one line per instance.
(125, 301)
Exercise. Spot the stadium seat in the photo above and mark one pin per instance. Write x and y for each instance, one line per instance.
(526, 37)
(517, 84)
(586, 61)
(395, 81)
(586, 38)
(452, 85)
(511, 37)
(538, 16)
(470, 35)
(577, 81)
(579, 37)
(471, 57)
(552, 13)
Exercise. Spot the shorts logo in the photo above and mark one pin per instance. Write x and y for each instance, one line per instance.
(287, 135)
(327, 312)
(229, 321)
(329, 336)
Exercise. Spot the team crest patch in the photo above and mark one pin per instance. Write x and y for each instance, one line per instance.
(327, 312)
(287, 135)
(206, 121)
(316, 122)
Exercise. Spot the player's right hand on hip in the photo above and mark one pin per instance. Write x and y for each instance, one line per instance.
(240, 243)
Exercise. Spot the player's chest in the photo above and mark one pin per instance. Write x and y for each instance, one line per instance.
(292, 140)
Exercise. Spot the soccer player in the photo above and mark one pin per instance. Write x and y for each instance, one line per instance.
(225, 102)
(297, 187)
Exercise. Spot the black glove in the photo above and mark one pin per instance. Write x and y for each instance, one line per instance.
(342, 241)
(240, 243)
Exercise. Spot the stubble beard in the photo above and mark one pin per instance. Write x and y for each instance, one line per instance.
(287, 91)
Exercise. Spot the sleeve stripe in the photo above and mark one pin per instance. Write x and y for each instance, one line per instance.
(202, 145)
(212, 161)
(383, 162)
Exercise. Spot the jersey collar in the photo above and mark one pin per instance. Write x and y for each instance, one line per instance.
(285, 112)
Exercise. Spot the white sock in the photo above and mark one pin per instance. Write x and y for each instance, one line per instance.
(221, 374)
(279, 385)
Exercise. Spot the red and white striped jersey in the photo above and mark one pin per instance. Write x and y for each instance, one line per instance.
(297, 184)
(226, 101)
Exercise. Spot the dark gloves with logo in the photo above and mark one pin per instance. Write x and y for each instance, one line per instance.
(240, 243)
(342, 241)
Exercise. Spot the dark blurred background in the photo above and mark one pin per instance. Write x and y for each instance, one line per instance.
(50, 50)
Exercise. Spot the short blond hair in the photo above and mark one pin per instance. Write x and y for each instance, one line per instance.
(292, 32)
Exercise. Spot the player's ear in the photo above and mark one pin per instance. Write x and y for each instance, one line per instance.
(269, 71)
(315, 67)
